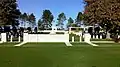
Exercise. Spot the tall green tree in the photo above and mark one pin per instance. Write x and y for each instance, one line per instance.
(79, 19)
(40, 24)
(24, 19)
(9, 13)
(103, 12)
(70, 22)
(32, 20)
(61, 18)
(47, 19)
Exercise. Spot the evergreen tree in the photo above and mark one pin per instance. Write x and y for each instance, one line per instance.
(9, 13)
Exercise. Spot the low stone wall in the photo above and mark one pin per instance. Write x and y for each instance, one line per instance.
(46, 37)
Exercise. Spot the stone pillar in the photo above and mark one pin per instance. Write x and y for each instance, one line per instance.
(3, 37)
(25, 37)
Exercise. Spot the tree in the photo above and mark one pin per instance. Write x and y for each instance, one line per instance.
(24, 18)
(9, 13)
(70, 22)
(61, 18)
(32, 20)
(47, 19)
(79, 19)
(40, 24)
(103, 12)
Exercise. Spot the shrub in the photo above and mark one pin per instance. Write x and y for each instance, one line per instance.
(116, 39)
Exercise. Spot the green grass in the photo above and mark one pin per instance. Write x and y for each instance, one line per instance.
(59, 55)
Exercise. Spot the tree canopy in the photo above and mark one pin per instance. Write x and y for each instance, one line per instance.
(32, 19)
(24, 17)
(9, 13)
(47, 19)
(103, 12)
(40, 24)
(70, 22)
(79, 19)
(61, 18)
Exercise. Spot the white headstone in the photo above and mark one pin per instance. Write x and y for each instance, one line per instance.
(118, 36)
(93, 36)
(80, 34)
(108, 35)
(87, 37)
(96, 36)
(19, 39)
(11, 38)
(3, 37)
(80, 38)
(100, 36)
(73, 39)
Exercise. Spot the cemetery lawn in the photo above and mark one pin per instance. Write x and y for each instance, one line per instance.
(59, 55)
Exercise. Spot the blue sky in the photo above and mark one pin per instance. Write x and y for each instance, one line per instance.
(69, 7)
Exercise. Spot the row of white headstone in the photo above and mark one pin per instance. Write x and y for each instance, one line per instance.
(4, 38)
(11, 38)
(86, 37)
(97, 37)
